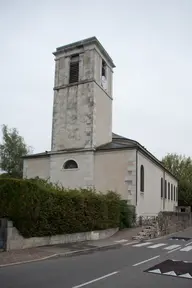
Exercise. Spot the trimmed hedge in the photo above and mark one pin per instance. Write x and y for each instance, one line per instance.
(127, 215)
(41, 209)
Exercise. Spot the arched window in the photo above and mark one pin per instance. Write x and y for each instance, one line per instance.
(161, 187)
(142, 178)
(70, 164)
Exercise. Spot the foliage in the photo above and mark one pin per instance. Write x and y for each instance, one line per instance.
(127, 215)
(42, 210)
(185, 192)
(181, 167)
(5, 175)
(12, 149)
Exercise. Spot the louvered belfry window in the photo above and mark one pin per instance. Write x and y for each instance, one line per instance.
(74, 69)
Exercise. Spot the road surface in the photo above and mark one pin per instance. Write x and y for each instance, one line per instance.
(158, 263)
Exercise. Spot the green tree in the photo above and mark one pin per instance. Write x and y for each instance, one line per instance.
(181, 167)
(12, 149)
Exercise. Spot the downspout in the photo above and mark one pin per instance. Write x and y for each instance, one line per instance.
(163, 189)
(136, 196)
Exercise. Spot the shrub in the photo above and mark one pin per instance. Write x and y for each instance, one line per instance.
(40, 208)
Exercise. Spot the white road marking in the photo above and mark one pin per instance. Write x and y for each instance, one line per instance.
(95, 280)
(146, 260)
(172, 273)
(121, 241)
(187, 275)
(157, 245)
(174, 249)
(155, 271)
(171, 247)
(142, 244)
(188, 244)
(186, 249)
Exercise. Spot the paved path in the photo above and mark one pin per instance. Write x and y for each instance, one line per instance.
(121, 267)
(36, 254)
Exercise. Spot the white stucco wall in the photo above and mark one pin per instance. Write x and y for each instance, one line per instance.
(170, 204)
(150, 202)
(116, 170)
(33, 167)
(81, 177)
(102, 117)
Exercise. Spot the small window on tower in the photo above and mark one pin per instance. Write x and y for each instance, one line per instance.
(74, 69)
(104, 66)
(104, 75)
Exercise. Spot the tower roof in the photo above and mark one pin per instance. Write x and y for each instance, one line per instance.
(85, 42)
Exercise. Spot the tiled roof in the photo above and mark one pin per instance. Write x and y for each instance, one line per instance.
(118, 142)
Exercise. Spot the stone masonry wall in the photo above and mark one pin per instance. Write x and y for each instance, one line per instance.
(73, 117)
(165, 223)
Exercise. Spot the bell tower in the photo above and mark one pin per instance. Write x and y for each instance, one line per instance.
(82, 108)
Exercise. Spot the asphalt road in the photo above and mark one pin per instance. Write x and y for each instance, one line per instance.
(114, 268)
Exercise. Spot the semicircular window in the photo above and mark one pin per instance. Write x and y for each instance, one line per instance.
(70, 164)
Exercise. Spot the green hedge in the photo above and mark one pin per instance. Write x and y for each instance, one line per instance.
(41, 209)
(127, 215)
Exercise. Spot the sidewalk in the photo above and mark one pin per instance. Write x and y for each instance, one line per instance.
(46, 252)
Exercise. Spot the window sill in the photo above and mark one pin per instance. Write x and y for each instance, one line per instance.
(73, 169)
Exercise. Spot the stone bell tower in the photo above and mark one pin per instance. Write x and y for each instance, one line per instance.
(82, 109)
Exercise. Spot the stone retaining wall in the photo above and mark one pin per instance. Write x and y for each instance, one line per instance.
(165, 223)
(16, 241)
(170, 222)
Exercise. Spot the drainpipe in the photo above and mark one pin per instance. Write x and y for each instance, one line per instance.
(136, 175)
(163, 190)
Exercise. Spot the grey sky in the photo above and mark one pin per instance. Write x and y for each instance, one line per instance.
(150, 41)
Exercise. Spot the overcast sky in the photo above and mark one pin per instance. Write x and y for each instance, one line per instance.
(150, 41)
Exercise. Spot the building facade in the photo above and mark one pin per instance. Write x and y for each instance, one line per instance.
(84, 151)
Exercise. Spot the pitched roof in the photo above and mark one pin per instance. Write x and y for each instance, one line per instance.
(118, 142)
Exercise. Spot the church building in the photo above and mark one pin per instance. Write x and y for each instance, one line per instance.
(84, 150)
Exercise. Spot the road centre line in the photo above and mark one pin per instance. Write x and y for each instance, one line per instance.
(96, 279)
(142, 262)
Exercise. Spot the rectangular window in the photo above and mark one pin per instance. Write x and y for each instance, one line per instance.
(104, 67)
(171, 191)
(174, 194)
(165, 189)
(74, 69)
(168, 190)
(161, 187)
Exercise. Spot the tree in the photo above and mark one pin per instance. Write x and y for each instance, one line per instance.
(12, 149)
(181, 167)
